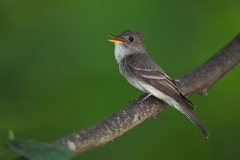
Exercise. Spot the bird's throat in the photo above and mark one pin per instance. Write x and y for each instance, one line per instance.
(120, 52)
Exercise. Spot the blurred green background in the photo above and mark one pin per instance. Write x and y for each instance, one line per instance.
(58, 74)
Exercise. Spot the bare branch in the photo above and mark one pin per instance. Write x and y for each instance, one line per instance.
(203, 77)
(197, 81)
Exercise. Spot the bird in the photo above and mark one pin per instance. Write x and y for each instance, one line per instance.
(141, 71)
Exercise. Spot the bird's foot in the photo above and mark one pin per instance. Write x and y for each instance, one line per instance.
(148, 95)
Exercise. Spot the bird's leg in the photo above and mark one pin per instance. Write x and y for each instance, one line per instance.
(148, 95)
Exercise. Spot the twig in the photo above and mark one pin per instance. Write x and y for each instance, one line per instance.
(197, 81)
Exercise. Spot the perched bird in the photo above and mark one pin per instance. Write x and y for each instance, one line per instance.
(143, 73)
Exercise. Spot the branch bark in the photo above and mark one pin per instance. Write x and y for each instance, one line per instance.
(198, 80)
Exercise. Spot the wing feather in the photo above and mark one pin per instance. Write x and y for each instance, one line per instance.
(145, 69)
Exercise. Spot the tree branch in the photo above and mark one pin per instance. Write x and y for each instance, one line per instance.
(198, 80)
(204, 76)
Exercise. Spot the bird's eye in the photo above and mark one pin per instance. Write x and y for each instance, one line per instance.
(131, 39)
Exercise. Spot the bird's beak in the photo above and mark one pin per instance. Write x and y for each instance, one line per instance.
(116, 39)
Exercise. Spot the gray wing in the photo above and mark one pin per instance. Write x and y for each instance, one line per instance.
(145, 69)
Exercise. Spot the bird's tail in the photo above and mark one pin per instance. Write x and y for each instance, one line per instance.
(185, 108)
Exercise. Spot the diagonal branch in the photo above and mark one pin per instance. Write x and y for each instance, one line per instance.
(198, 80)
(204, 76)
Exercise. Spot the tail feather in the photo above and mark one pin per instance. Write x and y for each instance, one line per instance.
(194, 119)
(185, 108)
(191, 105)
